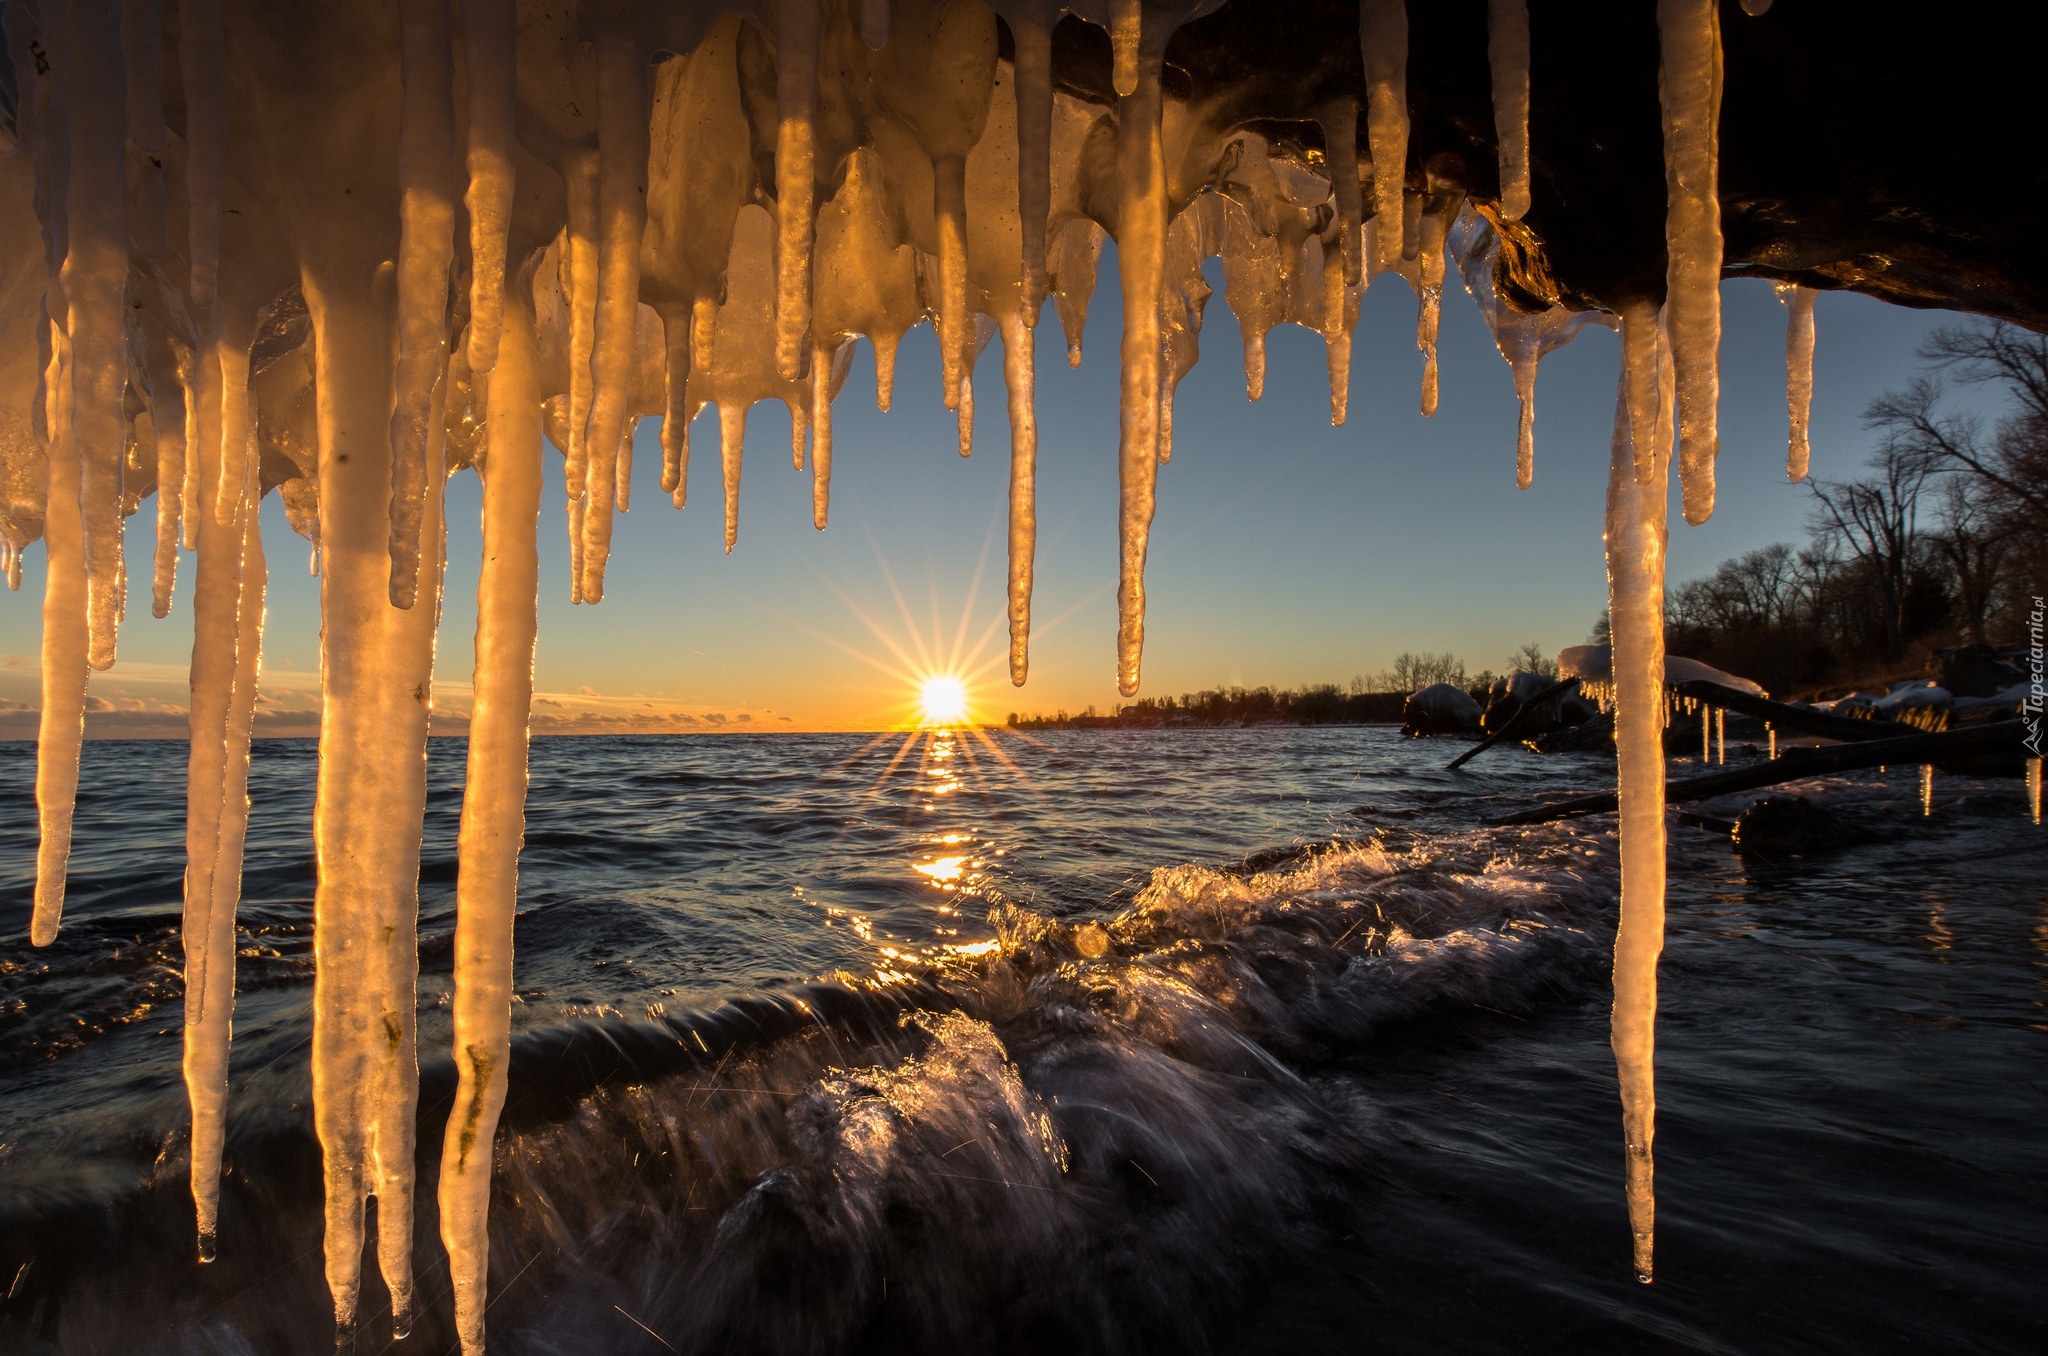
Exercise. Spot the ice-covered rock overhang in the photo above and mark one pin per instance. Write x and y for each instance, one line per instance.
(343, 251)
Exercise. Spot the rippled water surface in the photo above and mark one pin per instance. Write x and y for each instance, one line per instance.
(1095, 1041)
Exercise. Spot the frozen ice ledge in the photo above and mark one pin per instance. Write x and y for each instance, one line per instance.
(342, 252)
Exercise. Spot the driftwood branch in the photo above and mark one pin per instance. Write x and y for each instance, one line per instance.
(1514, 722)
(1970, 742)
(1800, 718)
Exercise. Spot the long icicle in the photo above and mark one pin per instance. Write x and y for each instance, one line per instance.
(1383, 35)
(61, 725)
(677, 323)
(1798, 375)
(210, 994)
(622, 99)
(426, 249)
(956, 321)
(376, 684)
(1018, 364)
(493, 814)
(1141, 265)
(579, 251)
(796, 107)
(1340, 138)
(732, 443)
(1689, 36)
(1507, 57)
(95, 277)
(490, 68)
(1636, 535)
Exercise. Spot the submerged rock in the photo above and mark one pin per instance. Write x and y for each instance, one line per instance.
(1788, 826)
(1588, 736)
(1440, 709)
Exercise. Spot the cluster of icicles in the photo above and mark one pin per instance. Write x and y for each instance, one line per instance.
(667, 206)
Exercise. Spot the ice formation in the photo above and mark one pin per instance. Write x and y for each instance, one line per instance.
(344, 252)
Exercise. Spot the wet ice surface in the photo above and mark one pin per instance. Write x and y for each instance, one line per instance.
(1360, 1100)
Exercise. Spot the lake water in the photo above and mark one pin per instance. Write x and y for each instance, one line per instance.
(1108, 1041)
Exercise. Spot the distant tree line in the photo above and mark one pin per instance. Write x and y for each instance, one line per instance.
(1369, 699)
(1944, 541)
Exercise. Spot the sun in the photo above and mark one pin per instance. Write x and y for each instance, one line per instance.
(942, 700)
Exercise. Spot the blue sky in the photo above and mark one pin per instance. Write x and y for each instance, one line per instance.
(1284, 551)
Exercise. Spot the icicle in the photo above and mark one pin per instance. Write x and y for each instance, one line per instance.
(1141, 264)
(61, 726)
(622, 223)
(493, 815)
(1720, 736)
(170, 475)
(376, 665)
(885, 370)
(874, 23)
(1689, 34)
(200, 372)
(1636, 535)
(964, 414)
(234, 425)
(426, 248)
(1429, 302)
(1706, 738)
(1507, 55)
(624, 474)
(1337, 329)
(821, 437)
(796, 106)
(956, 321)
(1340, 136)
(1798, 373)
(675, 412)
(203, 68)
(1383, 34)
(799, 431)
(1071, 264)
(578, 259)
(732, 441)
(95, 282)
(1771, 732)
(489, 64)
(1126, 24)
(2034, 789)
(226, 666)
(1018, 360)
(1031, 25)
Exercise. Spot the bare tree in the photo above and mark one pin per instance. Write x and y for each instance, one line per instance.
(1973, 544)
(1876, 520)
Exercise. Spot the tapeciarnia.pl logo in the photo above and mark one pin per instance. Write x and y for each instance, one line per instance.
(2036, 689)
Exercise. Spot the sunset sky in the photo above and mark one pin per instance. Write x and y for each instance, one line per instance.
(1284, 551)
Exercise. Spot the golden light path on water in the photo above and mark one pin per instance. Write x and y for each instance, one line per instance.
(936, 742)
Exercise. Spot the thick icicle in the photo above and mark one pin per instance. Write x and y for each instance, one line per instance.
(227, 652)
(1018, 361)
(796, 107)
(489, 66)
(1507, 56)
(1636, 536)
(426, 249)
(1031, 24)
(622, 216)
(61, 725)
(1141, 265)
(1126, 26)
(956, 321)
(493, 815)
(203, 69)
(1383, 35)
(95, 281)
(1689, 35)
(376, 685)
(1798, 374)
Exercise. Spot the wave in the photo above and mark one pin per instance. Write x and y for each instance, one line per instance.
(1092, 1134)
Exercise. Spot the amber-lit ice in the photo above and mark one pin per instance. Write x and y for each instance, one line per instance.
(322, 274)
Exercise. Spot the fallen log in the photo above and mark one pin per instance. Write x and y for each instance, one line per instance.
(1970, 742)
(1803, 719)
(1514, 723)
